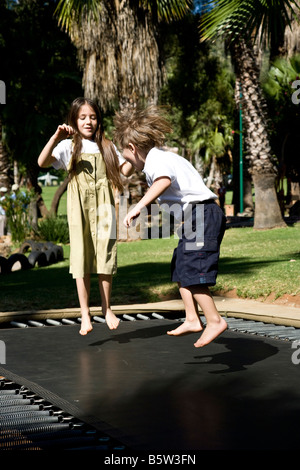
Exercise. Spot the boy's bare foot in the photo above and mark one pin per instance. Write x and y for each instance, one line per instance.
(86, 324)
(111, 319)
(187, 327)
(211, 332)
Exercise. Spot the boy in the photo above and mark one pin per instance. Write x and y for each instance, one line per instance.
(176, 184)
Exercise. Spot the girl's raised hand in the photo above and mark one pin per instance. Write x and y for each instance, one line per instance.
(64, 131)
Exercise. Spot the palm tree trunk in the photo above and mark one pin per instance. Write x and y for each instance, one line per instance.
(258, 150)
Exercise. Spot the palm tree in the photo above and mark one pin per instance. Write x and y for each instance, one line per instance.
(244, 24)
(118, 46)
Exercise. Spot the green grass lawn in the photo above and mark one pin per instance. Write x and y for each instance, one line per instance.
(48, 193)
(255, 263)
(258, 263)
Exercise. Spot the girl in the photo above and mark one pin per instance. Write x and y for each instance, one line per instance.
(179, 187)
(93, 166)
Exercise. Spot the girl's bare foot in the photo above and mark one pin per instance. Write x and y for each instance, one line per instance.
(111, 319)
(187, 327)
(211, 332)
(86, 324)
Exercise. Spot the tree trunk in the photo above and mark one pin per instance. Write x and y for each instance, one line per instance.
(266, 198)
(58, 194)
(210, 178)
(32, 183)
(255, 131)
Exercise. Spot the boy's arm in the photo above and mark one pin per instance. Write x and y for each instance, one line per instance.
(158, 187)
(127, 169)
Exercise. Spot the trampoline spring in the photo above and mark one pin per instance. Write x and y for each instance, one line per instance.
(36, 399)
(142, 317)
(129, 317)
(35, 323)
(8, 392)
(18, 324)
(99, 319)
(33, 396)
(25, 414)
(65, 419)
(156, 315)
(29, 420)
(67, 321)
(5, 403)
(19, 408)
(58, 413)
(16, 446)
(50, 321)
(8, 396)
(42, 427)
(64, 443)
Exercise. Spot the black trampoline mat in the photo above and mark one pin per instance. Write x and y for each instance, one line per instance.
(156, 392)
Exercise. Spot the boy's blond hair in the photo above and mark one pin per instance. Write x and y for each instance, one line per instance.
(143, 127)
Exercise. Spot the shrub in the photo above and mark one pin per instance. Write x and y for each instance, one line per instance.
(54, 229)
(16, 208)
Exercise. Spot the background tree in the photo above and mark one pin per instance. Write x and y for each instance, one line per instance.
(118, 46)
(5, 16)
(241, 23)
(42, 78)
(283, 103)
(200, 93)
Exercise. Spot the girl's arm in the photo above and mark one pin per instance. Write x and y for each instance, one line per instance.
(158, 187)
(62, 132)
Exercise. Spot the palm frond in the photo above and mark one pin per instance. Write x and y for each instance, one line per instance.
(253, 18)
(69, 11)
(168, 9)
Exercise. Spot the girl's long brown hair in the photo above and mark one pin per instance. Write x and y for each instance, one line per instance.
(105, 145)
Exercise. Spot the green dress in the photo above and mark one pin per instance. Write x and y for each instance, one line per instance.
(91, 218)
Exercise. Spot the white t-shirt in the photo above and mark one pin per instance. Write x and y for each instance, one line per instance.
(186, 183)
(63, 152)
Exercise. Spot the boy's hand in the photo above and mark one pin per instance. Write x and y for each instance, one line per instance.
(158, 187)
(133, 214)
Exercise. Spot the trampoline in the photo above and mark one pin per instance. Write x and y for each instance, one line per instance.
(146, 391)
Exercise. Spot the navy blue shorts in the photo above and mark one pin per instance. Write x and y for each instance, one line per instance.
(195, 260)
